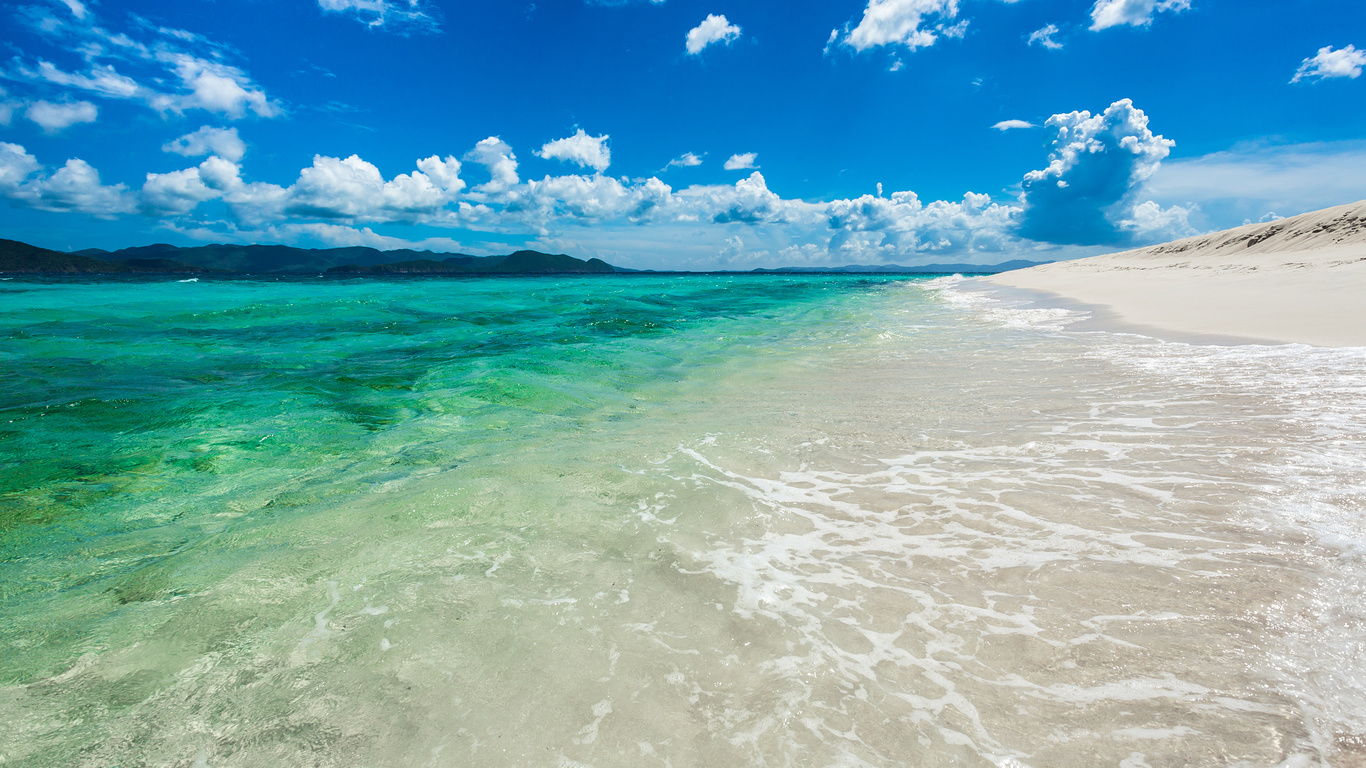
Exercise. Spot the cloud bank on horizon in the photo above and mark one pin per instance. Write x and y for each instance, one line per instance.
(83, 74)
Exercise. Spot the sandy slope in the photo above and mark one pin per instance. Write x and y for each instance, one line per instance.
(1301, 279)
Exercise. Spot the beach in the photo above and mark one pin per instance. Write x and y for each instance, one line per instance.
(710, 520)
(1296, 280)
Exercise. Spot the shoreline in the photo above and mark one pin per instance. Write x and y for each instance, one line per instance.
(1103, 318)
(1294, 281)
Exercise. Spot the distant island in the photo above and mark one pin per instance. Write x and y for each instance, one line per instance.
(218, 259)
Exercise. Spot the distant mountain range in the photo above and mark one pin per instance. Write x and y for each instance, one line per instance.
(17, 257)
(22, 258)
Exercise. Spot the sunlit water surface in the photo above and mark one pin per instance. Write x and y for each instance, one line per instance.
(650, 521)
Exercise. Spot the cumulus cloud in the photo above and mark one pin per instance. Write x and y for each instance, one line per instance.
(630, 221)
(75, 187)
(336, 199)
(1328, 63)
(582, 149)
(901, 22)
(1044, 37)
(1097, 166)
(497, 158)
(333, 188)
(16, 165)
(590, 199)
(741, 162)
(686, 160)
(57, 117)
(713, 29)
(885, 228)
(208, 140)
(749, 201)
(1149, 222)
(1010, 125)
(178, 192)
(402, 16)
(1135, 13)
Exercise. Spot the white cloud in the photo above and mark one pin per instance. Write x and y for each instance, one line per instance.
(713, 29)
(686, 160)
(1008, 125)
(336, 200)
(582, 149)
(1103, 163)
(496, 156)
(749, 201)
(216, 88)
(75, 187)
(103, 80)
(16, 165)
(77, 8)
(1251, 180)
(741, 162)
(1097, 167)
(208, 140)
(178, 192)
(397, 15)
(1149, 222)
(902, 227)
(901, 22)
(169, 70)
(1044, 37)
(333, 188)
(1136, 13)
(590, 199)
(1327, 63)
(56, 117)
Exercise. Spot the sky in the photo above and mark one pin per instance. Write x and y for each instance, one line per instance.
(673, 134)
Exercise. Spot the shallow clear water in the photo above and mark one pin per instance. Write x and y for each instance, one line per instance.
(665, 521)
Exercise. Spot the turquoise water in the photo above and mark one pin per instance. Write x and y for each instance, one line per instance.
(684, 520)
(143, 419)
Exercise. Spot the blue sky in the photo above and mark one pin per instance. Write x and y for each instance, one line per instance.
(677, 134)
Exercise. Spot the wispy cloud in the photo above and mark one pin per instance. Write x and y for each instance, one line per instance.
(1328, 63)
(399, 16)
(686, 160)
(168, 70)
(1044, 37)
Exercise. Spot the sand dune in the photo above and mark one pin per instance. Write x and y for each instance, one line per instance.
(1296, 280)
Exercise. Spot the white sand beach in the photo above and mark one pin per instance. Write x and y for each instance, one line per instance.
(1296, 280)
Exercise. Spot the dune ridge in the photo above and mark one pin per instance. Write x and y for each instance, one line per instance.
(1295, 280)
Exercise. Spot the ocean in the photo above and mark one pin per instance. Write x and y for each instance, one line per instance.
(711, 520)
